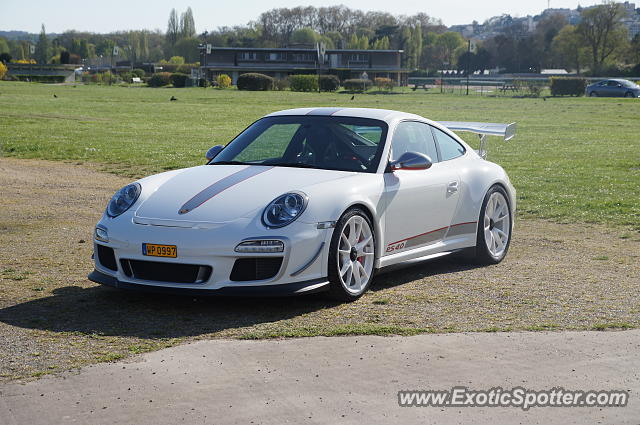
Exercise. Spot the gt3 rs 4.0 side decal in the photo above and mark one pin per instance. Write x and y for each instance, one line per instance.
(432, 236)
(222, 185)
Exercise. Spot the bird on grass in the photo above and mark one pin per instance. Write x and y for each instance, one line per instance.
(353, 97)
(173, 98)
(54, 95)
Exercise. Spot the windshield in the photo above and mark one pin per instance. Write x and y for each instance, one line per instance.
(629, 84)
(324, 142)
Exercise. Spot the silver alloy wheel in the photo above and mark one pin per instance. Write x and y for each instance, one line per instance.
(355, 255)
(497, 224)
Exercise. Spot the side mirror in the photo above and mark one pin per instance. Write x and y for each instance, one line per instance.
(213, 152)
(411, 161)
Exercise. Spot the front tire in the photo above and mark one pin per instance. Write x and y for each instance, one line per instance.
(494, 227)
(629, 95)
(352, 255)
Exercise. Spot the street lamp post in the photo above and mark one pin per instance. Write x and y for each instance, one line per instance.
(468, 61)
(206, 50)
(32, 50)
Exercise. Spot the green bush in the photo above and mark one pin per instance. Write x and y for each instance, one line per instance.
(186, 68)
(357, 85)
(328, 83)
(36, 78)
(224, 81)
(567, 86)
(255, 82)
(178, 79)
(159, 79)
(109, 78)
(126, 76)
(176, 60)
(138, 72)
(99, 78)
(303, 82)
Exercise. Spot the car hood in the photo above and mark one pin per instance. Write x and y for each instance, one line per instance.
(223, 193)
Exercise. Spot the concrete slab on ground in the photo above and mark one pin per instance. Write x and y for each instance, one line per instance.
(342, 380)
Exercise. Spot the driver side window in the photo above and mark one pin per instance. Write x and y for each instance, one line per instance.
(413, 136)
(270, 144)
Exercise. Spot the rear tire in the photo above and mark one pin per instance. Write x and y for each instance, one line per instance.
(593, 94)
(352, 255)
(494, 227)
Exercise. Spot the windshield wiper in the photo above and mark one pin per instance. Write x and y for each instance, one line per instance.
(232, 163)
(290, 164)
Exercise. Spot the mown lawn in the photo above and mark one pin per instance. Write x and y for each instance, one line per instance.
(574, 159)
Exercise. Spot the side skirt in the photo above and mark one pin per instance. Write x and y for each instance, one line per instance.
(427, 252)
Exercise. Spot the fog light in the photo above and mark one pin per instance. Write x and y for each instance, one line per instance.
(260, 246)
(101, 234)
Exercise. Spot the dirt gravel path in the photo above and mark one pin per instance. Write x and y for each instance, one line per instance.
(557, 276)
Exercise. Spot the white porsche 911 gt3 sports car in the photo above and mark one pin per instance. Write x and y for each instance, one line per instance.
(308, 200)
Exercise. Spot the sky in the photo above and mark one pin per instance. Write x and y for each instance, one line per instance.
(121, 15)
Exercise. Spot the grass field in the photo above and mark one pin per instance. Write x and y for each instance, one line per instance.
(573, 160)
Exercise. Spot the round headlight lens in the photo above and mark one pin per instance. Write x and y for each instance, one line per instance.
(123, 199)
(284, 209)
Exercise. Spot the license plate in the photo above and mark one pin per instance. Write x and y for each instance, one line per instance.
(156, 250)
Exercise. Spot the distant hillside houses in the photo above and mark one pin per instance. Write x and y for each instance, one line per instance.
(527, 25)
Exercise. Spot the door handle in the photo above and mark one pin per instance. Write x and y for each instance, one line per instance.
(452, 188)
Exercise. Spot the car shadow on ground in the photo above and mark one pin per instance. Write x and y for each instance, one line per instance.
(107, 311)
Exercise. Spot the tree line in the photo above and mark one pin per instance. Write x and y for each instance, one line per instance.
(599, 43)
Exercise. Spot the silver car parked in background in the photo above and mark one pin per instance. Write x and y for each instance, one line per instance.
(613, 88)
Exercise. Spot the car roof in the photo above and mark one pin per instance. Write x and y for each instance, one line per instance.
(378, 114)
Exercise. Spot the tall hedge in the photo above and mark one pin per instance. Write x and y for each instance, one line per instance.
(255, 82)
(159, 79)
(328, 83)
(567, 86)
(303, 82)
(178, 79)
(357, 85)
(138, 72)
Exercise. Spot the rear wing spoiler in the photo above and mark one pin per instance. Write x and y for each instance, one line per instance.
(483, 129)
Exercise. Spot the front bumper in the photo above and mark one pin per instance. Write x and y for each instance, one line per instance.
(297, 288)
(302, 269)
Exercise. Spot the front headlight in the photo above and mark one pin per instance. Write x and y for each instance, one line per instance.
(123, 199)
(284, 209)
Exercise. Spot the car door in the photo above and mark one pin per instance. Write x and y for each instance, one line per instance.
(619, 89)
(613, 88)
(420, 203)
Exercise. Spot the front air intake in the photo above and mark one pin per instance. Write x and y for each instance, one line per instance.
(246, 269)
